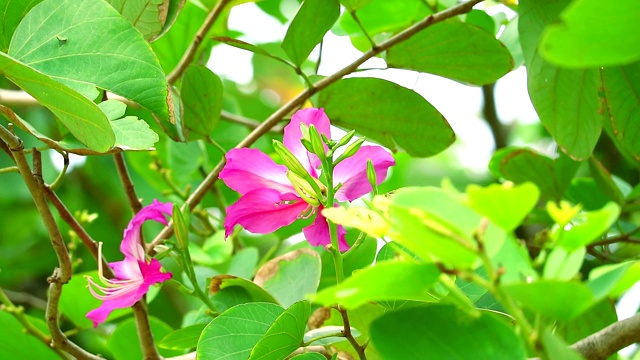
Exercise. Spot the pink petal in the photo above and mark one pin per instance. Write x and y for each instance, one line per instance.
(263, 211)
(352, 172)
(130, 245)
(317, 234)
(293, 135)
(126, 269)
(150, 273)
(250, 169)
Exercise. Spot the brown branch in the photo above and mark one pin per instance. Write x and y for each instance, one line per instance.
(62, 274)
(129, 189)
(188, 56)
(195, 198)
(606, 342)
(490, 113)
(347, 334)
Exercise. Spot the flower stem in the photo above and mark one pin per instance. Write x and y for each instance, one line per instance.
(327, 171)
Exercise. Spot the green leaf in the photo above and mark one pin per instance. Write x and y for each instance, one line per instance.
(122, 347)
(562, 264)
(455, 50)
(256, 293)
(82, 117)
(313, 20)
(148, 17)
(593, 33)
(622, 94)
(522, 165)
(133, 134)
(291, 277)
(388, 280)
(596, 318)
(246, 324)
(589, 227)
(182, 339)
(503, 205)
(309, 356)
(613, 279)
(561, 300)
(201, 93)
(394, 116)
(444, 332)
(249, 47)
(85, 46)
(12, 12)
(16, 343)
(556, 349)
(285, 335)
(565, 99)
(243, 263)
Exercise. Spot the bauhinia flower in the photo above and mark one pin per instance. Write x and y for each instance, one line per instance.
(269, 200)
(133, 275)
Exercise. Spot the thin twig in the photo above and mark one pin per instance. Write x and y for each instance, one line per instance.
(129, 189)
(188, 56)
(195, 198)
(61, 275)
(349, 336)
(498, 130)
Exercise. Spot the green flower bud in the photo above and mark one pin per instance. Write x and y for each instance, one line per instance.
(316, 142)
(371, 175)
(290, 161)
(350, 151)
(181, 226)
(304, 189)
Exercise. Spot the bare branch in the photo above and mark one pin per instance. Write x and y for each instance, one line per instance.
(608, 341)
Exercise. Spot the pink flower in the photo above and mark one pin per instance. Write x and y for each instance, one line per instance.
(269, 200)
(134, 274)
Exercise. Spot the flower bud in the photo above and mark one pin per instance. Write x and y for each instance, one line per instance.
(304, 189)
(371, 175)
(350, 151)
(316, 142)
(181, 226)
(345, 139)
(290, 161)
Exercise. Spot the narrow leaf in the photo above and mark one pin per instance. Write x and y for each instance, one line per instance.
(313, 20)
(201, 93)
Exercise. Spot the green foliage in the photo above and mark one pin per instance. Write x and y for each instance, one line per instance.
(413, 333)
(455, 50)
(396, 116)
(444, 261)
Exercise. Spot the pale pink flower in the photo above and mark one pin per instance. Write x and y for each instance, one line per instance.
(269, 200)
(133, 275)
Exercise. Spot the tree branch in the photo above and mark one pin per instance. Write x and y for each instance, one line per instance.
(188, 56)
(606, 342)
(61, 275)
(498, 130)
(129, 189)
(195, 198)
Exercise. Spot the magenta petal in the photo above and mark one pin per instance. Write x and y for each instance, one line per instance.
(147, 275)
(317, 234)
(293, 136)
(352, 172)
(126, 269)
(250, 169)
(263, 211)
(156, 211)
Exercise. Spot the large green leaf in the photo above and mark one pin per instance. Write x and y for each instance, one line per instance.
(291, 277)
(313, 20)
(521, 165)
(594, 33)
(81, 42)
(503, 205)
(148, 17)
(245, 324)
(285, 335)
(201, 93)
(456, 50)
(387, 280)
(561, 300)
(394, 116)
(123, 342)
(444, 332)
(82, 117)
(565, 99)
(589, 226)
(182, 339)
(15, 343)
(622, 93)
(256, 293)
(11, 13)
